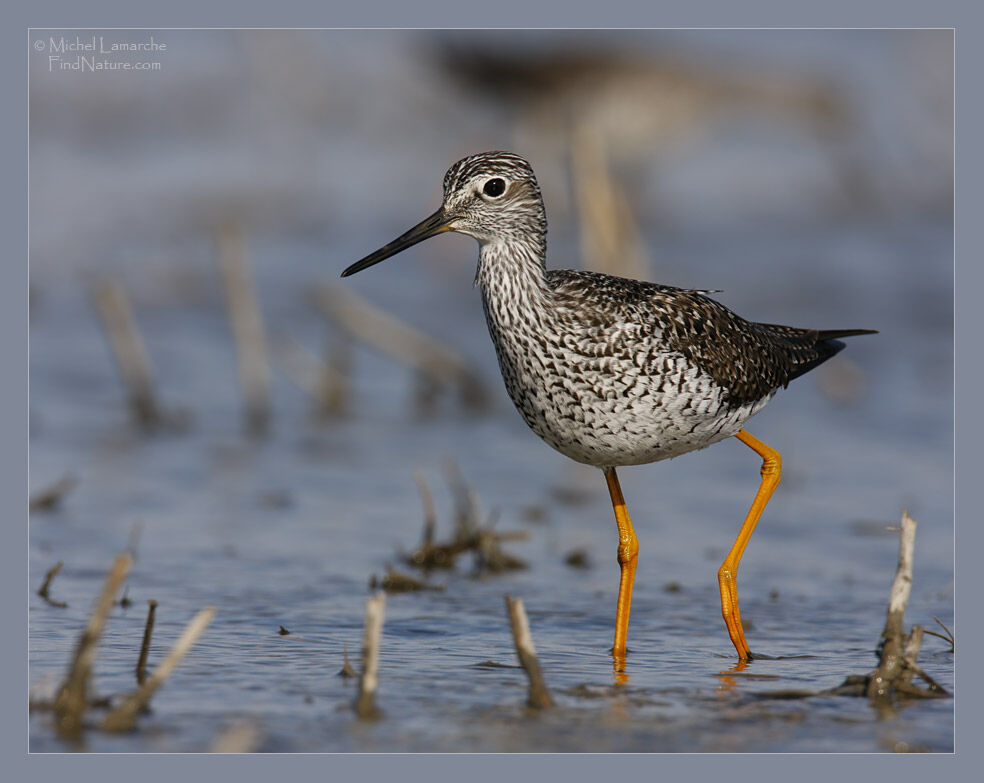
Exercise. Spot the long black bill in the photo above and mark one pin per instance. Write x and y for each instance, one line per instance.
(428, 227)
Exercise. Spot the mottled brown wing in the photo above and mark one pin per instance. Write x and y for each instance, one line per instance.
(749, 360)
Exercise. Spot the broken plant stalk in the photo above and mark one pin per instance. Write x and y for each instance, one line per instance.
(538, 696)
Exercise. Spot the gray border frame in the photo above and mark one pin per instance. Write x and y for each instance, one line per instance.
(504, 13)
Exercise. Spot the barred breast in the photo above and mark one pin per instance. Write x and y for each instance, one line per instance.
(605, 389)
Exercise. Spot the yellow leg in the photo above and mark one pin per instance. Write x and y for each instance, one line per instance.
(628, 550)
(728, 573)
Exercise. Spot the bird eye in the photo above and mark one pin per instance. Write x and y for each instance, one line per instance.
(495, 187)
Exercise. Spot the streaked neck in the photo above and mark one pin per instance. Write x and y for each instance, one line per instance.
(512, 278)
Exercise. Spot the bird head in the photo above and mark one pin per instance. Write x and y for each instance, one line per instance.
(492, 196)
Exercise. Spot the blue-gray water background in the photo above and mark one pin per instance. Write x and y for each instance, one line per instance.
(807, 174)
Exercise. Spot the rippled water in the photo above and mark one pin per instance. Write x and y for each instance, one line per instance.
(287, 530)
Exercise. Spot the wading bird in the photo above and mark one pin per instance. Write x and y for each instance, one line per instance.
(610, 371)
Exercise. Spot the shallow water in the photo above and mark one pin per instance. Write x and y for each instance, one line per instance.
(289, 529)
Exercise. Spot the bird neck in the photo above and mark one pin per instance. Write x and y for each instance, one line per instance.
(512, 276)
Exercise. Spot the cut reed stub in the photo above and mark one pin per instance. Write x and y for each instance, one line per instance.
(50, 497)
(145, 644)
(72, 699)
(44, 590)
(128, 349)
(124, 717)
(897, 652)
(326, 381)
(436, 364)
(538, 696)
(247, 326)
(365, 703)
(346, 671)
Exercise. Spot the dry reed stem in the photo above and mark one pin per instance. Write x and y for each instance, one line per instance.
(321, 381)
(396, 582)
(491, 558)
(337, 369)
(898, 653)
(145, 644)
(128, 348)
(429, 357)
(124, 717)
(538, 696)
(910, 654)
(610, 240)
(365, 705)
(46, 586)
(890, 668)
(946, 636)
(902, 584)
(49, 497)
(246, 322)
(71, 701)
(470, 534)
(346, 670)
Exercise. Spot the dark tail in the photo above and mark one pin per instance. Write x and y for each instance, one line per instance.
(836, 334)
(818, 346)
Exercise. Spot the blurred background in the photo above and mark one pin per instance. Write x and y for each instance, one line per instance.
(202, 383)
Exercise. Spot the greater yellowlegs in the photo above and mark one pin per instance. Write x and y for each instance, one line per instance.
(610, 371)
